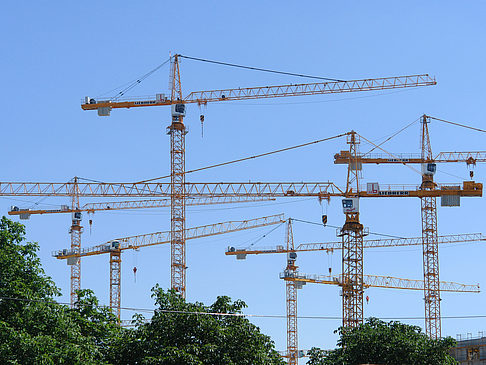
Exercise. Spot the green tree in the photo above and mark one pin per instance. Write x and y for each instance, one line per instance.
(183, 337)
(33, 328)
(378, 342)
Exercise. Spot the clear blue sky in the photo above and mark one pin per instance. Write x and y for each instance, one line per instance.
(55, 53)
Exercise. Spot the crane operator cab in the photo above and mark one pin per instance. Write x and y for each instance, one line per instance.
(351, 205)
(178, 110)
(77, 216)
(429, 169)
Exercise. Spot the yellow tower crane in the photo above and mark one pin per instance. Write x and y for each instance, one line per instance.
(353, 232)
(263, 190)
(76, 211)
(116, 246)
(294, 280)
(291, 299)
(379, 281)
(241, 253)
(177, 131)
(428, 210)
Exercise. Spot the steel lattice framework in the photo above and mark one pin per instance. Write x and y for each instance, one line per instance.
(430, 245)
(291, 296)
(117, 246)
(76, 230)
(323, 190)
(115, 282)
(265, 92)
(337, 245)
(352, 257)
(381, 281)
(470, 158)
(427, 194)
(177, 132)
(135, 204)
(352, 269)
(158, 238)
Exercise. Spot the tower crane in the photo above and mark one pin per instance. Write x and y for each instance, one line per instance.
(115, 247)
(221, 190)
(291, 299)
(368, 281)
(428, 211)
(76, 229)
(177, 132)
(241, 253)
(378, 281)
(199, 193)
(89, 208)
(294, 280)
(297, 280)
(353, 233)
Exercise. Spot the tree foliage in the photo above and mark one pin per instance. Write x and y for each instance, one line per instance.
(34, 329)
(378, 342)
(175, 335)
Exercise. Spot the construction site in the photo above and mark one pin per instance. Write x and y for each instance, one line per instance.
(259, 181)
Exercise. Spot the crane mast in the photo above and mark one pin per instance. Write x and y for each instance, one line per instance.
(291, 300)
(117, 246)
(352, 234)
(430, 244)
(177, 132)
(115, 257)
(427, 192)
(76, 230)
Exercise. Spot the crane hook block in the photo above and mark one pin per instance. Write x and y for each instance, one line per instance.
(324, 219)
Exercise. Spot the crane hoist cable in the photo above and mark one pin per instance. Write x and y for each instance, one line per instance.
(265, 235)
(458, 124)
(138, 81)
(249, 158)
(36, 203)
(260, 69)
(391, 154)
(337, 227)
(390, 137)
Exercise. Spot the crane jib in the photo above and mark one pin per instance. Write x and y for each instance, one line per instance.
(262, 92)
